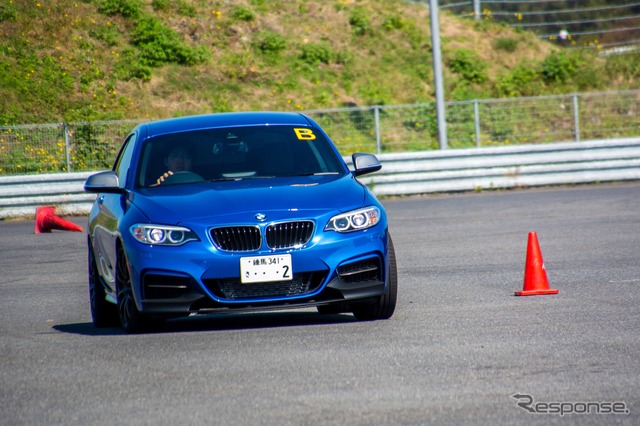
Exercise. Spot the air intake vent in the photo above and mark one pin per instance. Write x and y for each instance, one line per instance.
(301, 284)
(237, 238)
(364, 270)
(289, 234)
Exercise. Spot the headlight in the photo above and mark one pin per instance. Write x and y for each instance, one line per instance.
(162, 235)
(354, 220)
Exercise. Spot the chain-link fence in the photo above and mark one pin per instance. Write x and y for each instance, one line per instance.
(63, 147)
(75, 147)
(493, 122)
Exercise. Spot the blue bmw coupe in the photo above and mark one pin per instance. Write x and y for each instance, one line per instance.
(236, 212)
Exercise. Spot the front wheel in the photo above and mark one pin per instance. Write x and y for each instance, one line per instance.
(385, 305)
(131, 319)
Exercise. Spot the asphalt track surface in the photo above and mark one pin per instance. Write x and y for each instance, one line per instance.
(459, 346)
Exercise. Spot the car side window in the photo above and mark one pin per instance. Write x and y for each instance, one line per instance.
(123, 162)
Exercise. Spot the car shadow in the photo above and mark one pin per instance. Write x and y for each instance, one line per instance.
(217, 323)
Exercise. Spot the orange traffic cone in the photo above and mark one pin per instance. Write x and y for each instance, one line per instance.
(46, 220)
(535, 276)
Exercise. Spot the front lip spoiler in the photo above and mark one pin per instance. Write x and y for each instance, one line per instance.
(339, 292)
(269, 308)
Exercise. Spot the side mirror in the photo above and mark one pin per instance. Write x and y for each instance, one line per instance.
(103, 182)
(365, 163)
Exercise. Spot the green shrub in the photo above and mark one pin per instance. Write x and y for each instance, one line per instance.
(126, 8)
(131, 66)
(359, 21)
(242, 13)
(467, 64)
(394, 22)
(521, 81)
(159, 44)
(8, 12)
(559, 67)
(505, 44)
(314, 53)
(270, 42)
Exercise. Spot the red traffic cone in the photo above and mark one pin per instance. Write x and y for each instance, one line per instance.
(535, 276)
(46, 220)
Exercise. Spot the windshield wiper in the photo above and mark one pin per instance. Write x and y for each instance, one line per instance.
(223, 179)
(317, 174)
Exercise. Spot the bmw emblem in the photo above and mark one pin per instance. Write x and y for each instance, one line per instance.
(261, 217)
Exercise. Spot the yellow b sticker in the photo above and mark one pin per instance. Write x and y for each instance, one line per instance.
(304, 134)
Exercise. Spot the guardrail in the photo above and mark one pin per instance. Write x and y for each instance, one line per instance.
(401, 174)
(507, 167)
(20, 195)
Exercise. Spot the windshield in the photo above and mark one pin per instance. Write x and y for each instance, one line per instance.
(236, 153)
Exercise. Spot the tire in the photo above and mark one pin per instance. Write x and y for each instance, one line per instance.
(103, 313)
(384, 307)
(131, 319)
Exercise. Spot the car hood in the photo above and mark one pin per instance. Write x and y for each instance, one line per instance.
(241, 200)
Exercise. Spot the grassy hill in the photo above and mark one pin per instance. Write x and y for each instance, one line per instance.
(92, 60)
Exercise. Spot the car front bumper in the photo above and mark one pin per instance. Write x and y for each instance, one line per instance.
(198, 278)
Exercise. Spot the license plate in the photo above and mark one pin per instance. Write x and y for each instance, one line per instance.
(261, 269)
